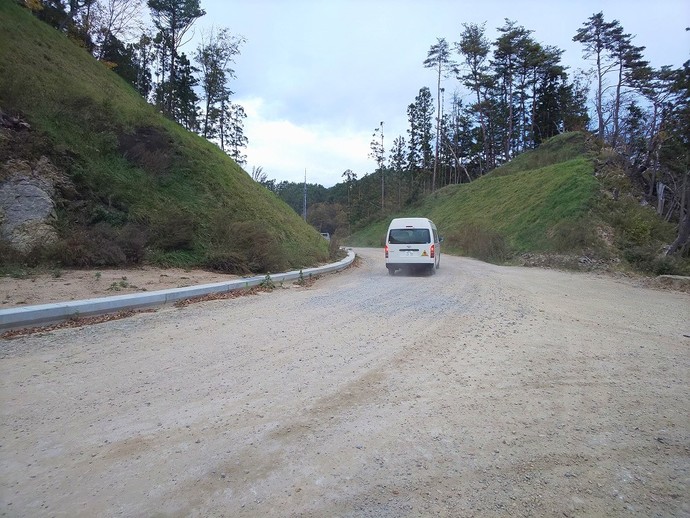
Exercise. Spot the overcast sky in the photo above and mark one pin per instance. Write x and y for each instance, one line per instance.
(315, 77)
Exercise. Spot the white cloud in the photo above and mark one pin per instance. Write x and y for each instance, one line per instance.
(317, 77)
(285, 149)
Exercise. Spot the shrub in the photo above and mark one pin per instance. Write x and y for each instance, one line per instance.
(264, 252)
(570, 235)
(267, 283)
(132, 240)
(649, 261)
(245, 246)
(37, 255)
(8, 255)
(480, 243)
(149, 148)
(173, 230)
(226, 262)
(335, 253)
(107, 214)
(94, 246)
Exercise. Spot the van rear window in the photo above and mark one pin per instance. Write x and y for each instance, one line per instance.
(409, 236)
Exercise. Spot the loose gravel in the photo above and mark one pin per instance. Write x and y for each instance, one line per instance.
(478, 391)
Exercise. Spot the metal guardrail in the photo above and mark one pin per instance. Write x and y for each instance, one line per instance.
(28, 316)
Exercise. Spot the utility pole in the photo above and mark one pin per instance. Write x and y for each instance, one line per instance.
(377, 153)
(439, 140)
(383, 198)
(304, 204)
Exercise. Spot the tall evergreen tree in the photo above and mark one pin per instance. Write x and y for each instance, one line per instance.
(595, 36)
(414, 159)
(633, 129)
(214, 55)
(173, 19)
(143, 55)
(186, 106)
(676, 155)
(438, 58)
(232, 138)
(512, 44)
(474, 48)
(459, 141)
(420, 116)
(398, 164)
(545, 77)
(628, 62)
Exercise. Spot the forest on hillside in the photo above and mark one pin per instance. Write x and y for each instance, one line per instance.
(521, 95)
(192, 89)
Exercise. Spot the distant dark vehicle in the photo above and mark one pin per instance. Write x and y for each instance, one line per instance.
(326, 236)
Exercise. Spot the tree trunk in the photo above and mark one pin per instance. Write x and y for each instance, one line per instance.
(617, 107)
(660, 190)
(438, 125)
(173, 50)
(458, 165)
(599, 97)
(682, 242)
(482, 123)
(509, 118)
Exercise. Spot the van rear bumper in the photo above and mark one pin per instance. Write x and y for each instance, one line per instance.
(413, 261)
(399, 260)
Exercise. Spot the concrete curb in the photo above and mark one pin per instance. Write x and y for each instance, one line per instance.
(29, 316)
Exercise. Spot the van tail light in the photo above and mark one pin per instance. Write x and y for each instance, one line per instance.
(386, 250)
(431, 251)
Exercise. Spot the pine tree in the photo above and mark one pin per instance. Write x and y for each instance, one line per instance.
(438, 58)
(186, 109)
(420, 115)
(473, 47)
(398, 164)
(232, 138)
(172, 19)
(214, 55)
(512, 44)
(627, 61)
(595, 36)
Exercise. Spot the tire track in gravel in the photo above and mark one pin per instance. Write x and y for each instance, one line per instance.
(480, 390)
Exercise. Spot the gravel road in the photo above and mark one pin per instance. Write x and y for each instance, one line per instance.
(478, 391)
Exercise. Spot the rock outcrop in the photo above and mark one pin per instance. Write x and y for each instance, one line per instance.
(27, 203)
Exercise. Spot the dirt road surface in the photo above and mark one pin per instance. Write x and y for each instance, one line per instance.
(478, 391)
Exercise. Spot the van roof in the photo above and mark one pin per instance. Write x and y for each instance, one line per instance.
(403, 222)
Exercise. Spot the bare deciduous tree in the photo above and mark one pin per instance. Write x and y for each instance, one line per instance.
(121, 19)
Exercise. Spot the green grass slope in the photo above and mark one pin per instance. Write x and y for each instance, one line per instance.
(563, 148)
(539, 202)
(134, 186)
(551, 207)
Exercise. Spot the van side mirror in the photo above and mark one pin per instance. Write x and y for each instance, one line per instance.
(440, 239)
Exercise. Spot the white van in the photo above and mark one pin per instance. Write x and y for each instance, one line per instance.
(412, 243)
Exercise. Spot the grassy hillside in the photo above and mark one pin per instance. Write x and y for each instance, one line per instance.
(547, 202)
(520, 206)
(134, 186)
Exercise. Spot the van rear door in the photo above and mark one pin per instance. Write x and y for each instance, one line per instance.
(409, 245)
